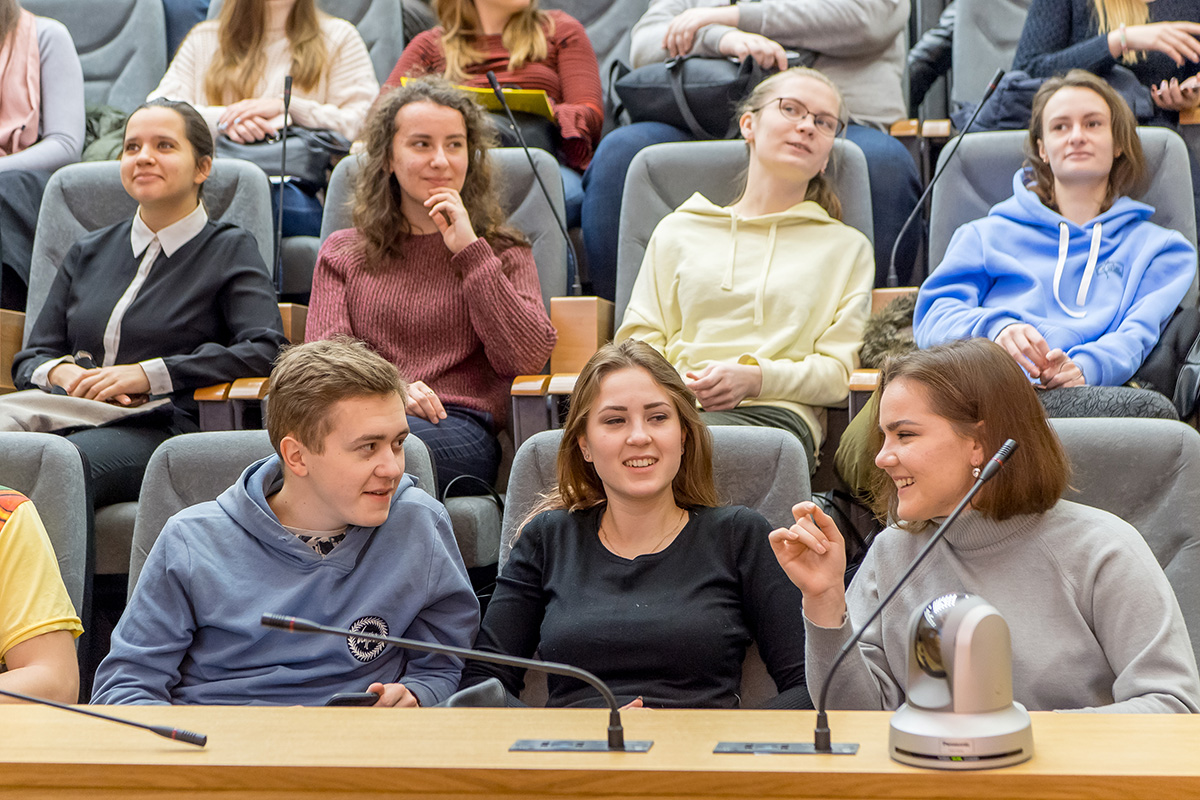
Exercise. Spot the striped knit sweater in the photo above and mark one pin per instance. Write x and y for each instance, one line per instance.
(464, 324)
(569, 75)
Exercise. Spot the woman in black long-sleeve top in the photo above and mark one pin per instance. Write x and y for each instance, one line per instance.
(158, 305)
(633, 571)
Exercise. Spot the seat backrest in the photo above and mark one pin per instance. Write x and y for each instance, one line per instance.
(520, 199)
(761, 468)
(122, 46)
(48, 470)
(1147, 472)
(196, 467)
(380, 23)
(608, 26)
(981, 176)
(986, 33)
(662, 176)
(81, 198)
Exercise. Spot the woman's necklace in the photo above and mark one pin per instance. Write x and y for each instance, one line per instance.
(671, 532)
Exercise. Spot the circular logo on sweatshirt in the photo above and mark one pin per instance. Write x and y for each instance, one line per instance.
(365, 649)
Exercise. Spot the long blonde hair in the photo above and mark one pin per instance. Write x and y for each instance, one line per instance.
(820, 188)
(524, 36)
(1112, 14)
(238, 66)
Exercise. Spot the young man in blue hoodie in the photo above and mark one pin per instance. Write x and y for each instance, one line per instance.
(329, 528)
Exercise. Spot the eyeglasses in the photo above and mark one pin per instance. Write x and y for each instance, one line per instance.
(795, 111)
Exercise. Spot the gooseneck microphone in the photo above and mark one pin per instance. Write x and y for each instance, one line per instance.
(821, 737)
(178, 734)
(287, 102)
(616, 733)
(562, 227)
(892, 278)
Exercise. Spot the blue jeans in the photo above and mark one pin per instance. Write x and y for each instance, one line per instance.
(461, 444)
(572, 194)
(895, 189)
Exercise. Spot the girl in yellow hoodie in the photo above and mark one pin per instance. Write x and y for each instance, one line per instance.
(760, 305)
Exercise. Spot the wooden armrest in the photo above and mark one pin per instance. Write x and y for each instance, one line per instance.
(562, 383)
(217, 393)
(1190, 117)
(529, 385)
(583, 324)
(881, 297)
(295, 317)
(12, 327)
(864, 380)
(936, 129)
(249, 389)
(905, 128)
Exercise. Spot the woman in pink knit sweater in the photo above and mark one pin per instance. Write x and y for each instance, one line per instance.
(431, 278)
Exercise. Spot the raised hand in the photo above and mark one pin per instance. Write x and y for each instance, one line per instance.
(1027, 346)
(812, 553)
(447, 211)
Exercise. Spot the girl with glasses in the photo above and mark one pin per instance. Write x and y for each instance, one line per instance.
(760, 305)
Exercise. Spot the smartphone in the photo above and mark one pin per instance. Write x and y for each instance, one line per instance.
(353, 699)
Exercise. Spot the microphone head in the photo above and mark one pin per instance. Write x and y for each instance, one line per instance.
(289, 623)
(179, 735)
(1006, 450)
(491, 76)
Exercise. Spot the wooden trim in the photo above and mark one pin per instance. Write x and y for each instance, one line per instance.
(12, 329)
(936, 129)
(864, 380)
(529, 385)
(562, 383)
(295, 317)
(881, 297)
(583, 324)
(217, 393)
(1190, 117)
(249, 389)
(905, 128)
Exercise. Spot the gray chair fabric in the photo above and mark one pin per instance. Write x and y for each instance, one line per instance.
(122, 46)
(761, 468)
(81, 198)
(981, 176)
(985, 39)
(49, 471)
(520, 199)
(662, 176)
(380, 23)
(608, 26)
(1147, 472)
(196, 467)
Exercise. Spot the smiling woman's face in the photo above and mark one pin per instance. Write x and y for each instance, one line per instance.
(158, 165)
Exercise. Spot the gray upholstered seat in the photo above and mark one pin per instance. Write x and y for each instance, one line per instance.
(122, 46)
(981, 176)
(662, 176)
(380, 23)
(81, 198)
(1146, 471)
(761, 468)
(985, 39)
(196, 467)
(48, 470)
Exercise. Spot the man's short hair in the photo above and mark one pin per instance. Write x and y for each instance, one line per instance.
(309, 379)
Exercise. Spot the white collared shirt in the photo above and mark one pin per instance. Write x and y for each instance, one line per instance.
(148, 244)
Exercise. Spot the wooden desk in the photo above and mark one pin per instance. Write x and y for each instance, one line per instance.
(453, 754)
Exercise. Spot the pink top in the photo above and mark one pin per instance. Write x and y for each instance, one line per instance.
(466, 325)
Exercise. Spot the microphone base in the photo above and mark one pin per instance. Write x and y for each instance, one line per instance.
(945, 740)
(787, 748)
(576, 746)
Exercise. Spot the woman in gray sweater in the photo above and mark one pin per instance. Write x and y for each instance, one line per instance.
(1095, 624)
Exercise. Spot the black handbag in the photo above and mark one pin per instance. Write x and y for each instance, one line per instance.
(696, 93)
(310, 154)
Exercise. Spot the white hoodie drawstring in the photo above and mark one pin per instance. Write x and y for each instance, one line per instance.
(1089, 270)
(760, 297)
(727, 281)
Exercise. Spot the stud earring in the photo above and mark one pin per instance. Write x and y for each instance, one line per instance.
(587, 456)
(975, 472)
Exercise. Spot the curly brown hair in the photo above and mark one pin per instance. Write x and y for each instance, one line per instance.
(377, 211)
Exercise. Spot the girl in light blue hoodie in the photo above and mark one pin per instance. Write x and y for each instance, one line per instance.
(1068, 275)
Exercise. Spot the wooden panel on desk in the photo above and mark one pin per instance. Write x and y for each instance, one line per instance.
(249, 389)
(562, 383)
(529, 385)
(295, 317)
(12, 328)
(864, 380)
(459, 753)
(583, 324)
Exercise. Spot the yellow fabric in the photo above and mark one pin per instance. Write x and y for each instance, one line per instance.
(33, 599)
(789, 292)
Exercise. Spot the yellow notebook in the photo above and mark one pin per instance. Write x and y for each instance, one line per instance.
(530, 101)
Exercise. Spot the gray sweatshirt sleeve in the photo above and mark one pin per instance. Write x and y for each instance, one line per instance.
(831, 27)
(864, 680)
(62, 123)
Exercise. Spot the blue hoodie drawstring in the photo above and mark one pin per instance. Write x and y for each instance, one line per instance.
(1064, 236)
